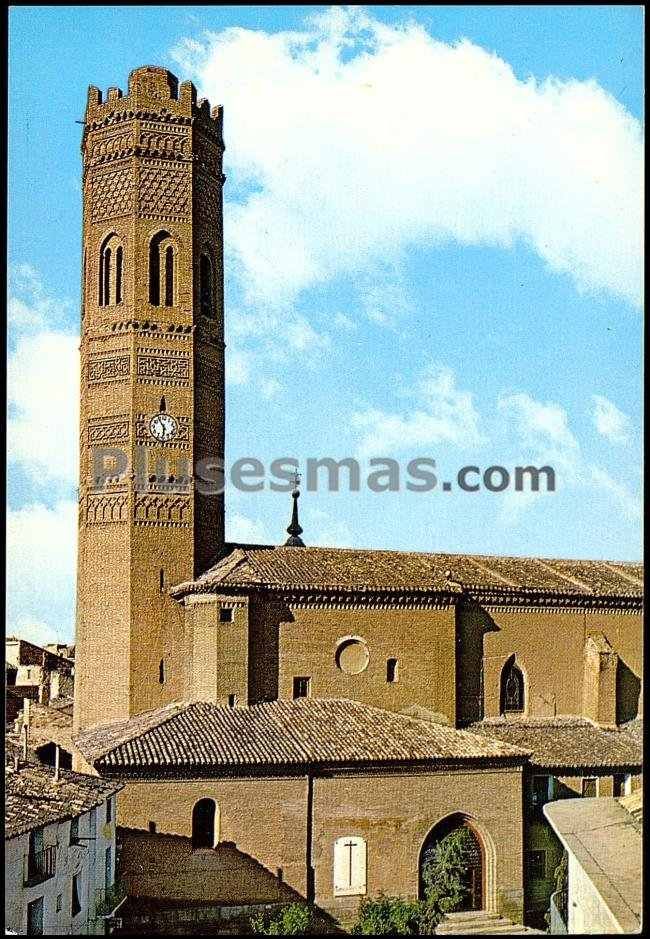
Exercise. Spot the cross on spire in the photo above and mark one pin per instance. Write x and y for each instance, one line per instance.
(295, 531)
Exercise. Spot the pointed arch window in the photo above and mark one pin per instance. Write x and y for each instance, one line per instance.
(512, 688)
(162, 270)
(205, 286)
(111, 271)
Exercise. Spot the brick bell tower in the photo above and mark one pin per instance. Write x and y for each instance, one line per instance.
(152, 386)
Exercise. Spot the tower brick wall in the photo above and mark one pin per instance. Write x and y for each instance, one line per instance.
(151, 344)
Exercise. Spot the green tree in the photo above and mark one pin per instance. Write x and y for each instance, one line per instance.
(444, 874)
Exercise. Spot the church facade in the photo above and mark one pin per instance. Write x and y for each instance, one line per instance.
(294, 721)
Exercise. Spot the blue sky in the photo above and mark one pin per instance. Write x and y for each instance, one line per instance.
(433, 249)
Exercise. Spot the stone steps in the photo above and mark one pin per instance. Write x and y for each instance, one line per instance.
(479, 922)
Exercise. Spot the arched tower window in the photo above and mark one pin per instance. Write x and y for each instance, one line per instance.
(162, 262)
(512, 688)
(111, 271)
(204, 824)
(205, 286)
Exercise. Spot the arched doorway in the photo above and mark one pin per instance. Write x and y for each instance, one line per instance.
(473, 859)
(203, 824)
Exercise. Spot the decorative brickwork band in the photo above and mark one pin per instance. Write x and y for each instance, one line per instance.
(108, 430)
(112, 194)
(106, 509)
(115, 368)
(168, 368)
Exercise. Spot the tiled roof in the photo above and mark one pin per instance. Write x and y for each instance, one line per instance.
(33, 799)
(569, 743)
(306, 731)
(368, 570)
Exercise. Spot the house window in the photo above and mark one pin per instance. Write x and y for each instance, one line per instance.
(59, 903)
(391, 671)
(590, 787)
(35, 917)
(108, 869)
(74, 831)
(109, 810)
(226, 614)
(232, 700)
(301, 687)
(161, 672)
(622, 784)
(536, 865)
(76, 895)
(512, 688)
(541, 791)
(153, 828)
(350, 858)
(204, 832)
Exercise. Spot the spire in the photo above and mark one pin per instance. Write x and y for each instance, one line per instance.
(295, 531)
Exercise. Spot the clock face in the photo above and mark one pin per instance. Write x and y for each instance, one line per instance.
(163, 427)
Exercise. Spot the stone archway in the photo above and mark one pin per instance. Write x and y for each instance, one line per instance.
(481, 870)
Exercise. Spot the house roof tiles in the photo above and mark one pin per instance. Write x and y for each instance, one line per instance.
(34, 799)
(307, 731)
(359, 570)
(569, 743)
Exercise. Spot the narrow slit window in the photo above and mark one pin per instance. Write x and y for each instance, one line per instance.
(161, 672)
(119, 262)
(232, 700)
(392, 671)
(169, 276)
(205, 281)
(154, 273)
(107, 277)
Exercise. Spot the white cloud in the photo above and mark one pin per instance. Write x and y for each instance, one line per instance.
(545, 435)
(43, 396)
(41, 566)
(442, 413)
(360, 140)
(610, 421)
(246, 530)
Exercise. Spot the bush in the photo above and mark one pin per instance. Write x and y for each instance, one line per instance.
(296, 919)
(387, 916)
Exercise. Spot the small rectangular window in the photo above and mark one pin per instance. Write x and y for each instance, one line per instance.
(622, 784)
(74, 830)
(590, 787)
(536, 865)
(109, 810)
(152, 828)
(232, 700)
(392, 671)
(301, 687)
(76, 896)
(59, 903)
(226, 614)
(539, 791)
(35, 917)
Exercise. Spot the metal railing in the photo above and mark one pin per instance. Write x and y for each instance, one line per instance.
(40, 866)
(557, 911)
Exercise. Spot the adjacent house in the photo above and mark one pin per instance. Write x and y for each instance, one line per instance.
(59, 851)
(29, 666)
(603, 842)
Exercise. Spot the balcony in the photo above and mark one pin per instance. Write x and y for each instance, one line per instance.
(40, 866)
